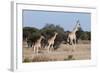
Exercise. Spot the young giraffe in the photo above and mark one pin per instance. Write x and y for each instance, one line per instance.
(72, 35)
(51, 41)
(37, 44)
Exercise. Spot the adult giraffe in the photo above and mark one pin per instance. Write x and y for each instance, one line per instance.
(72, 35)
(37, 44)
(51, 41)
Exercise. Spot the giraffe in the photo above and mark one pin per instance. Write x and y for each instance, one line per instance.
(51, 41)
(72, 35)
(37, 44)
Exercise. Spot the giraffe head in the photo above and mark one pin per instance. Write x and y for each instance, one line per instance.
(77, 27)
(42, 37)
(55, 33)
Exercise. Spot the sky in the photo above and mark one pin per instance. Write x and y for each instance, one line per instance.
(67, 20)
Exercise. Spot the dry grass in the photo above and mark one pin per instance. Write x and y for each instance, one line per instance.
(41, 58)
(64, 52)
(27, 60)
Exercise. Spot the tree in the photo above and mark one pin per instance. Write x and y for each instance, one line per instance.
(48, 32)
(30, 35)
(27, 32)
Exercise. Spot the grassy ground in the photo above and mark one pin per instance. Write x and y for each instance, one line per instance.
(63, 53)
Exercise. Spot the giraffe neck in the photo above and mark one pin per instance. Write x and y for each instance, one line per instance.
(74, 31)
(54, 37)
(39, 40)
(76, 27)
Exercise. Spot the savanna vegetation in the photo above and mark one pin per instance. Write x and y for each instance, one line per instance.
(31, 34)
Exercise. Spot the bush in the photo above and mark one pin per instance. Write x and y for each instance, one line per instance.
(27, 32)
(32, 34)
(70, 57)
(48, 32)
(85, 36)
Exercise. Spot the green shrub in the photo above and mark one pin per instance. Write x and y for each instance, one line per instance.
(70, 57)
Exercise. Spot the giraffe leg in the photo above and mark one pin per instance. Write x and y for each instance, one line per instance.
(52, 47)
(72, 45)
(48, 47)
(68, 41)
(37, 50)
(34, 49)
